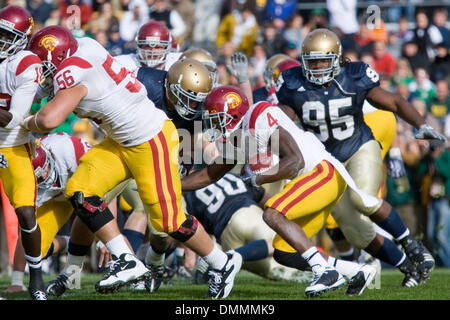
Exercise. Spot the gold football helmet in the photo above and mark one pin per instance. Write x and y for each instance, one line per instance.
(188, 82)
(204, 57)
(321, 45)
(270, 66)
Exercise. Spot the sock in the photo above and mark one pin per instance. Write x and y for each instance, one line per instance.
(77, 249)
(135, 238)
(346, 268)
(389, 253)
(67, 240)
(118, 246)
(314, 258)
(216, 258)
(153, 257)
(34, 262)
(394, 225)
(17, 278)
(347, 255)
(254, 250)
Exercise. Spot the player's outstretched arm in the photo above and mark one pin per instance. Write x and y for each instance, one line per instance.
(204, 177)
(289, 111)
(386, 100)
(56, 110)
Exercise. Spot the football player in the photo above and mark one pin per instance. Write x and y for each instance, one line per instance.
(141, 143)
(20, 75)
(231, 210)
(55, 160)
(204, 57)
(298, 212)
(327, 94)
(154, 48)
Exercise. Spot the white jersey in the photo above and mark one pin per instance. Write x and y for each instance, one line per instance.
(115, 99)
(19, 81)
(66, 151)
(260, 123)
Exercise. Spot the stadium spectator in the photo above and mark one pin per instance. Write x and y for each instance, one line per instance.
(439, 106)
(207, 21)
(361, 42)
(440, 17)
(383, 61)
(272, 40)
(294, 32)
(104, 19)
(343, 15)
(416, 60)
(278, 9)
(257, 64)
(133, 19)
(440, 67)
(402, 73)
(186, 9)
(39, 10)
(422, 86)
(54, 16)
(240, 28)
(160, 11)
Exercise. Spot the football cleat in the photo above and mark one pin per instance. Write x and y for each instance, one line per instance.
(221, 281)
(361, 280)
(153, 282)
(38, 295)
(127, 269)
(325, 279)
(419, 255)
(70, 278)
(412, 277)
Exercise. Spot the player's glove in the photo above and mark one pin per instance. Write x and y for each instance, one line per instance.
(248, 176)
(427, 132)
(239, 67)
(396, 168)
(3, 161)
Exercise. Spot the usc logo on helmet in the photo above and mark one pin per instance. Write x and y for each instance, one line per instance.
(233, 100)
(49, 42)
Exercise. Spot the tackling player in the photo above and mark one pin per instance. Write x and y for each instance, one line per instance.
(141, 143)
(327, 94)
(20, 75)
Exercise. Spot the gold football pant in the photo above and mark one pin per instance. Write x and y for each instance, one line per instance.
(307, 200)
(18, 179)
(154, 166)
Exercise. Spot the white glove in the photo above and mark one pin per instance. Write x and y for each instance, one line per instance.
(427, 132)
(239, 67)
(3, 161)
(248, 176)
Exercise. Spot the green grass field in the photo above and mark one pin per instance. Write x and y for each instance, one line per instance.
(251, 287)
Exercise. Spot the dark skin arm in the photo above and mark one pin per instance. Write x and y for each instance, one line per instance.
(291, 160)
(204, 177)
(5, 118)
(386, 100)
(289, 111)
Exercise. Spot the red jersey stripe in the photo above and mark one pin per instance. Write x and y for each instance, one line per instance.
(26, 62)
(74, 61)
(78, 147)
(257, 112)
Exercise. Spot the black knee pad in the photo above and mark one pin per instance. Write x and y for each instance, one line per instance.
(186, 230)
(290, 259)
(335, 234)
(93, 211)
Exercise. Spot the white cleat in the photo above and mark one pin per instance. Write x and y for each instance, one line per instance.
(361, 280)
(221, 281)
(125, 270)
(325, 279)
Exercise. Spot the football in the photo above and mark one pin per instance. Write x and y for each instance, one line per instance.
(263, 162)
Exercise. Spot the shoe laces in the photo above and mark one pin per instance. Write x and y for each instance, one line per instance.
(40, 295)
(215, 281)
(61, 280)
(113, 265)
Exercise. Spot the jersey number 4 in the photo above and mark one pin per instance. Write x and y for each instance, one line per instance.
(342, 126)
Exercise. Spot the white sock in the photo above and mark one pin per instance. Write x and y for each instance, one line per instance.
(34, 262)
(17, 278)
(117, 246)
(347, 253)
(66, 239)
(153, 257)
(346, 268)
(314, 258)
(216, 258)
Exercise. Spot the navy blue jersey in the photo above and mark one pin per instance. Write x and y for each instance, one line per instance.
(333, 114)
(215, 204)
(260, 94)
(153, 80)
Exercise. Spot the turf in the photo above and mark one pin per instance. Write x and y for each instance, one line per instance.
(251, 287)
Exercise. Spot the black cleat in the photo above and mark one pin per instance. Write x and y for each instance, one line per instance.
(419, 255)
(38, 295)
(325, 279)
(361, 280)
(57, 286)
(412, 277)
(153, 282)
(221, 281)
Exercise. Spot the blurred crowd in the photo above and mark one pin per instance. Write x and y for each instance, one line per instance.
(407, 45)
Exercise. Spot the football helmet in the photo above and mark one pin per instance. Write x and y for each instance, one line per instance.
(284, 65)
(270, 65)
(187, 84)
(204, 57)
(53, 44)
(154, 41)
(44, 167)
(16, 26)
(321, 45)
(174, 46)
(223, 112)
